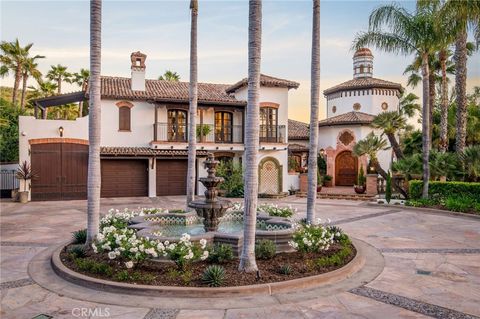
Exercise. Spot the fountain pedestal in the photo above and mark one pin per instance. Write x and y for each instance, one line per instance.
(211, 209)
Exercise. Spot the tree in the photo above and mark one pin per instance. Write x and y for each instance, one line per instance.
(81, 79)
(461, 16)
(409, 105)
(29, 68)
(170, 75)
(370, 146)
(314, 101)
(193, 99)
(390, 123)
(247, 258)
(58, 73)
(13, 57)
(94, 174)
(407, 34)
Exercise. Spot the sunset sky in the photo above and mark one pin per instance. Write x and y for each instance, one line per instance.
(60, 31)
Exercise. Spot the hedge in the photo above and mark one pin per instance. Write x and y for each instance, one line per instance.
(444, 189)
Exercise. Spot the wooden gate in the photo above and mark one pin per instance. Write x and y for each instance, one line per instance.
(345, 169)
(61, 170)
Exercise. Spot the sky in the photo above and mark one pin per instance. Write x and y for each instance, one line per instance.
(161, 29)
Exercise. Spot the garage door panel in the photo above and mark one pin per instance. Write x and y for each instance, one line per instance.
(74, 171)
(46, 164)
(171, 177)
(124, 178)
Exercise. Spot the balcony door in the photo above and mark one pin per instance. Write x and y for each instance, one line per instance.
(268, 124)
(177, 125)
(223, 127)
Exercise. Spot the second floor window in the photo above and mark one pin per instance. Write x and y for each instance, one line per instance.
(177, 125)
(223, 127)
(124, 118)
(268, 124)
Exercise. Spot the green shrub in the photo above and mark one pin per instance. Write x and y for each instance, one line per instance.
(177, 211)
(93, 266)
(285, 269)
(77, 251)
(460, 204)
(214, 276)
(361, 179)
(333, 260)
(265, 249)
(233, 178)
(445, 189)
(220, 253)
(80, 236)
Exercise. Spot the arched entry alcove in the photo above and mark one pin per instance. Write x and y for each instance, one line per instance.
(345, 169)
(270, 176)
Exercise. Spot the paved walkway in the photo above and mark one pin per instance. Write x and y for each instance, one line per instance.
(432, 265)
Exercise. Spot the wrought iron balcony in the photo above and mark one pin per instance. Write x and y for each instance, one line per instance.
(272, 134)
(206, 133)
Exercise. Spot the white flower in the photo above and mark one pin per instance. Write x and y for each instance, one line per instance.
(171, 247)
(112, 255)
(106, 246)
(100, 237)
(133, 249)
(204, 255)
(129, 264)
(160, 247)
(166, 243)
(95, 249)
(203, 243)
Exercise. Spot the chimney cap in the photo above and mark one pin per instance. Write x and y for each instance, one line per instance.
(138, 60)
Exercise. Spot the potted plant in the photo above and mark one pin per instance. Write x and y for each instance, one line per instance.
(292, 165)
(327, 181)
(360, 187)
(202, 131)
(25, 173)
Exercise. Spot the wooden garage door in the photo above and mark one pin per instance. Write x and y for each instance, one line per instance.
(171, 177)
(124, 178)
(61, 170)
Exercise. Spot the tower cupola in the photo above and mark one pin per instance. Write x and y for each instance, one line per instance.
(363, 63)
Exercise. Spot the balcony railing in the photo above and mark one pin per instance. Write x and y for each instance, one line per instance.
(272, 134)
(206, 133)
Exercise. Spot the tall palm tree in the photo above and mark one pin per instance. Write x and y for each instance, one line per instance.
(370, 146)
(314, 100)
(390, 123)
(29, 68)
(461, 16)
(407, 34)
(58, 73)
(408, 105)
(170, 76)
(247, 258)
(94, 114)
(44, 89)
(193, 97)
(12, 57)
(81, 79)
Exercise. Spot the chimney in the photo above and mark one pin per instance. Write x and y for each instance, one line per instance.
(138, 71)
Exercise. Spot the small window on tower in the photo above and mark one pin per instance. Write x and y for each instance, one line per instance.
(361, 68)
(384, 106)
(356, 106)
(334, 109)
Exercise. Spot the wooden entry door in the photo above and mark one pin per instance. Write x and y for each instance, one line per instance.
(61, 170)
(345, 169)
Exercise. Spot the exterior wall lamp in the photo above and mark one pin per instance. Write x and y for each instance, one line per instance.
(60, 130)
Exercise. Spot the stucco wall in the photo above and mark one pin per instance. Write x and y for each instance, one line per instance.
(371, 104)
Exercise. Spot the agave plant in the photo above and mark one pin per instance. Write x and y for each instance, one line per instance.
(25, 172)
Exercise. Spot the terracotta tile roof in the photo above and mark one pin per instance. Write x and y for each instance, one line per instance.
(145, 151)
(298, 130)
(297, 148)
(265, 80)
(364, 83)
(363, 52)
(352, 117)
(166, 91)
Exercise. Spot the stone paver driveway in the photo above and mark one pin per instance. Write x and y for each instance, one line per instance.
(432, 265)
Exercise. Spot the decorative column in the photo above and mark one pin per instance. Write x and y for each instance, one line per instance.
(372, 184)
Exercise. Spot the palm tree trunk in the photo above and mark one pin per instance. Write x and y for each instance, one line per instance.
(24, 91)
(395, 146)
(315, 95)
(247, 258)
(16, 84)
(425, 125)
(94, 129)
(59, 86)
(431, 101)
(461, 90)
(80, 104)
(444, 107)
(193, 96)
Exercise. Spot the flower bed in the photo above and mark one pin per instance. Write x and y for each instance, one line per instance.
(119, 255)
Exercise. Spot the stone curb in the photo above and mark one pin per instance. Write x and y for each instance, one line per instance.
(427, 210)
(200, 292)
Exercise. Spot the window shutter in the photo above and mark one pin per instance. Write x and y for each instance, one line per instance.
(124, 118)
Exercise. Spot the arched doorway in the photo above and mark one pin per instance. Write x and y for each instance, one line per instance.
(270, 176)
(345, 169)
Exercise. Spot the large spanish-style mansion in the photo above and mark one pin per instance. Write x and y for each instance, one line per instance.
(144, 126)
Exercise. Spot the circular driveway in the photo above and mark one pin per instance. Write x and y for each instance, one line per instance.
(431, 266)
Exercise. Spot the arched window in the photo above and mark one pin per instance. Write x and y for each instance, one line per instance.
(361, 68)
(124, 116)
(177, 125)
(223, 127)
(268, 124)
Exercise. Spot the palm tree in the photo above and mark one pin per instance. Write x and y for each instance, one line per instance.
(370, 146)
(94, 114)
(193, 97)
(13, 57)
(170, 75)
(29, 68)
(44, 89)
(471, 161)
(460, 16)
(314, 100)
(390, 123)
(408, 104)
(407, 33)
(58, 73)
(81, 79)
(247, 258)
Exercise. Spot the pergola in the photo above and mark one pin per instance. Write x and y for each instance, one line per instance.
(43, 103)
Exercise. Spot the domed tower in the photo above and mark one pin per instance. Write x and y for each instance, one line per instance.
(363, 63)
